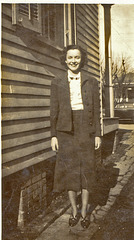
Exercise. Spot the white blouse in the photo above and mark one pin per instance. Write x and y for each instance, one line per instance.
(75, 91)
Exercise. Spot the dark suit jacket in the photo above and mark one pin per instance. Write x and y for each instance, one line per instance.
(60, 107)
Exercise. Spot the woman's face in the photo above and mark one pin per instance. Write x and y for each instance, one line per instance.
(73, 60)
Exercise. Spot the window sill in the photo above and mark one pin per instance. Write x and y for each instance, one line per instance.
(50, 43)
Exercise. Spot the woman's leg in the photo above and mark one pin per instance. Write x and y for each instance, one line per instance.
(72, 198)
(85, 198)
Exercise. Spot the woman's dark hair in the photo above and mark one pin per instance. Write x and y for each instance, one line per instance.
(69, 47)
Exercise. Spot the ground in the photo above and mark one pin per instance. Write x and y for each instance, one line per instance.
(118, 225)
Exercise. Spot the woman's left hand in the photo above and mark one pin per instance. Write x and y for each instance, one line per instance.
(97, 142)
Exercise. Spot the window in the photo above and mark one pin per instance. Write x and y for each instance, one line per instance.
(50, 21)
(27, 15)
(53, 25)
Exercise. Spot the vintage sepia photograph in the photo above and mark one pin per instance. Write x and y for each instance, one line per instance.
(67, 120)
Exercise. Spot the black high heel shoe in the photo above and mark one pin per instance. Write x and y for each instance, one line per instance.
(85, 222)
(73, 220)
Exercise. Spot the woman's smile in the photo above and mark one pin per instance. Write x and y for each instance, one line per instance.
(73, 59)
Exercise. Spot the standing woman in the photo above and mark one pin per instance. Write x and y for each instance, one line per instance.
(75, 130)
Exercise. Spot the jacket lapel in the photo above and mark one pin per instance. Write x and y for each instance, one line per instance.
(64, 91)
(84, 78)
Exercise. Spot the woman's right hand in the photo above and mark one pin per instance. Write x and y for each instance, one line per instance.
(54, 144)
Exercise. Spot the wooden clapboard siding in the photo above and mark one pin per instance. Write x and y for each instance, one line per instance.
(92, 71)
(88, 35)
(15, 140)
(11, 87)
(7, 10)
(27, 113)
(85, 32)
(82, 11)
(93, 12)
(24, 76)
(92, 32)
(26, 81)
(25, 150)
(36, 57)
(15, 101)
(19, 166)
(7, 23)
(7, 17)
(10, 37)
(20, 127)
(93, 52)
(94, 8)
(17, 52)
(14, 63)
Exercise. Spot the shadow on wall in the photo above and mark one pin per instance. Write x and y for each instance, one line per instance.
(107, 144)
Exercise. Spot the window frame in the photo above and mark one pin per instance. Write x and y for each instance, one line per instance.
(70, 26)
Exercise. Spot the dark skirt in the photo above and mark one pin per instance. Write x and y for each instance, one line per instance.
(75, 163)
